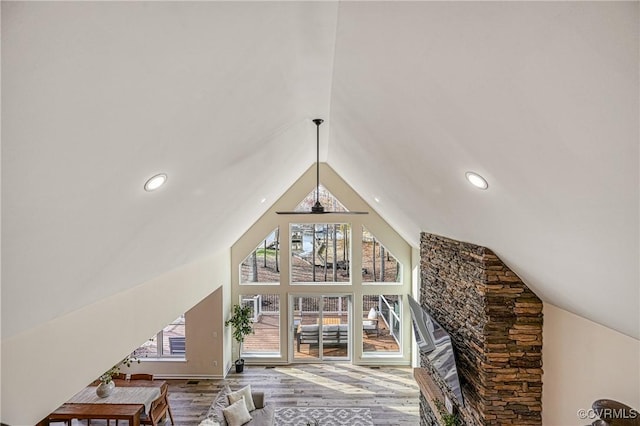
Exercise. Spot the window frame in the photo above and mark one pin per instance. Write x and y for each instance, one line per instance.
(399, 264)
(159, 344)
(348, 237)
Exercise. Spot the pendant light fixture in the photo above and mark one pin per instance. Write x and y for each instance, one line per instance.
(318, 208)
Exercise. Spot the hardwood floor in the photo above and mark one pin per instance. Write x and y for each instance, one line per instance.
(390, 392)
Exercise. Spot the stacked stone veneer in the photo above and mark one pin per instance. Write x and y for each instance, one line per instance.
(427, 417)
(495, 323)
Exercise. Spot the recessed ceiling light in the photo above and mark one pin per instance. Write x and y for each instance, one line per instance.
(477, 180)
(155, 182)
(376, 199)
(262, 201)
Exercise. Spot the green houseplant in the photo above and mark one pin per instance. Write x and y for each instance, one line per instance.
(106, 385)
(242, 326)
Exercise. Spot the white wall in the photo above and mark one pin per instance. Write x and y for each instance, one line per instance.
(584, 361)
(46, 365)
(204, 336)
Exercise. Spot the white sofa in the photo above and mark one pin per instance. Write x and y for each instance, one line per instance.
(263, 415)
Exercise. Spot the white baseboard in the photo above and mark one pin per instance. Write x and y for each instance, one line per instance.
(187, 376)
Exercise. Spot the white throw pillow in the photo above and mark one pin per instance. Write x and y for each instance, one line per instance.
(237, 414)
(209, 422)
(246, 392)
(373, 314)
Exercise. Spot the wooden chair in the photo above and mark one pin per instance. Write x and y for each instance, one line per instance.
(165, 393)
(158, 410)
(141, 376)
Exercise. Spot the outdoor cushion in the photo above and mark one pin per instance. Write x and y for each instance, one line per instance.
(330, 334)
(309, 333)
(373, 314)
(343, 333)
(371, 323)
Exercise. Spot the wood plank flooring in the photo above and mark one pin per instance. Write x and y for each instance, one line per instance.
(390, 392)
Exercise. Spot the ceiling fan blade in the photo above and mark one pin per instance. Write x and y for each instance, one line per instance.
(349, 212)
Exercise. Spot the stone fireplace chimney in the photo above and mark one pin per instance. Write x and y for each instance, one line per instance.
(495, 323)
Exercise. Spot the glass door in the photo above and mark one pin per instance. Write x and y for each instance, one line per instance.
(305, 331)
(320, 327)
(335, 327)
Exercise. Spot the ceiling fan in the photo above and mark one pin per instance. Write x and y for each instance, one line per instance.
(318, 208)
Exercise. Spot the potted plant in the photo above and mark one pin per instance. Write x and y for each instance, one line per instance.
(107, 385)
(242, 326)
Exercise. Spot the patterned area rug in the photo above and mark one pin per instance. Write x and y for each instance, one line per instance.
(301, 416)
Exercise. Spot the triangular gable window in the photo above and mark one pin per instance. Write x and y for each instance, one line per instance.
(327, 199)
(378, 264)
(263, 264)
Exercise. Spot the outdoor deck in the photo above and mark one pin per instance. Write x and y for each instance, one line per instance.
(267, 338)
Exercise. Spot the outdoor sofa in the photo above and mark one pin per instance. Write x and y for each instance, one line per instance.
(332, 334)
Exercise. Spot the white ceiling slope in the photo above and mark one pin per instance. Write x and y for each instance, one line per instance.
(541, 98)
(99, 96)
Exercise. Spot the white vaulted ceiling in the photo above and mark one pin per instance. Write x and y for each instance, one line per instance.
(540, 98)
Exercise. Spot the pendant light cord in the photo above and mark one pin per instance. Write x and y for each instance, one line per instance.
(317, 162)
(318, 208)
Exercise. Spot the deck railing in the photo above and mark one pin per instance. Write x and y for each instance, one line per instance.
(387, 306)
(390, 316)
